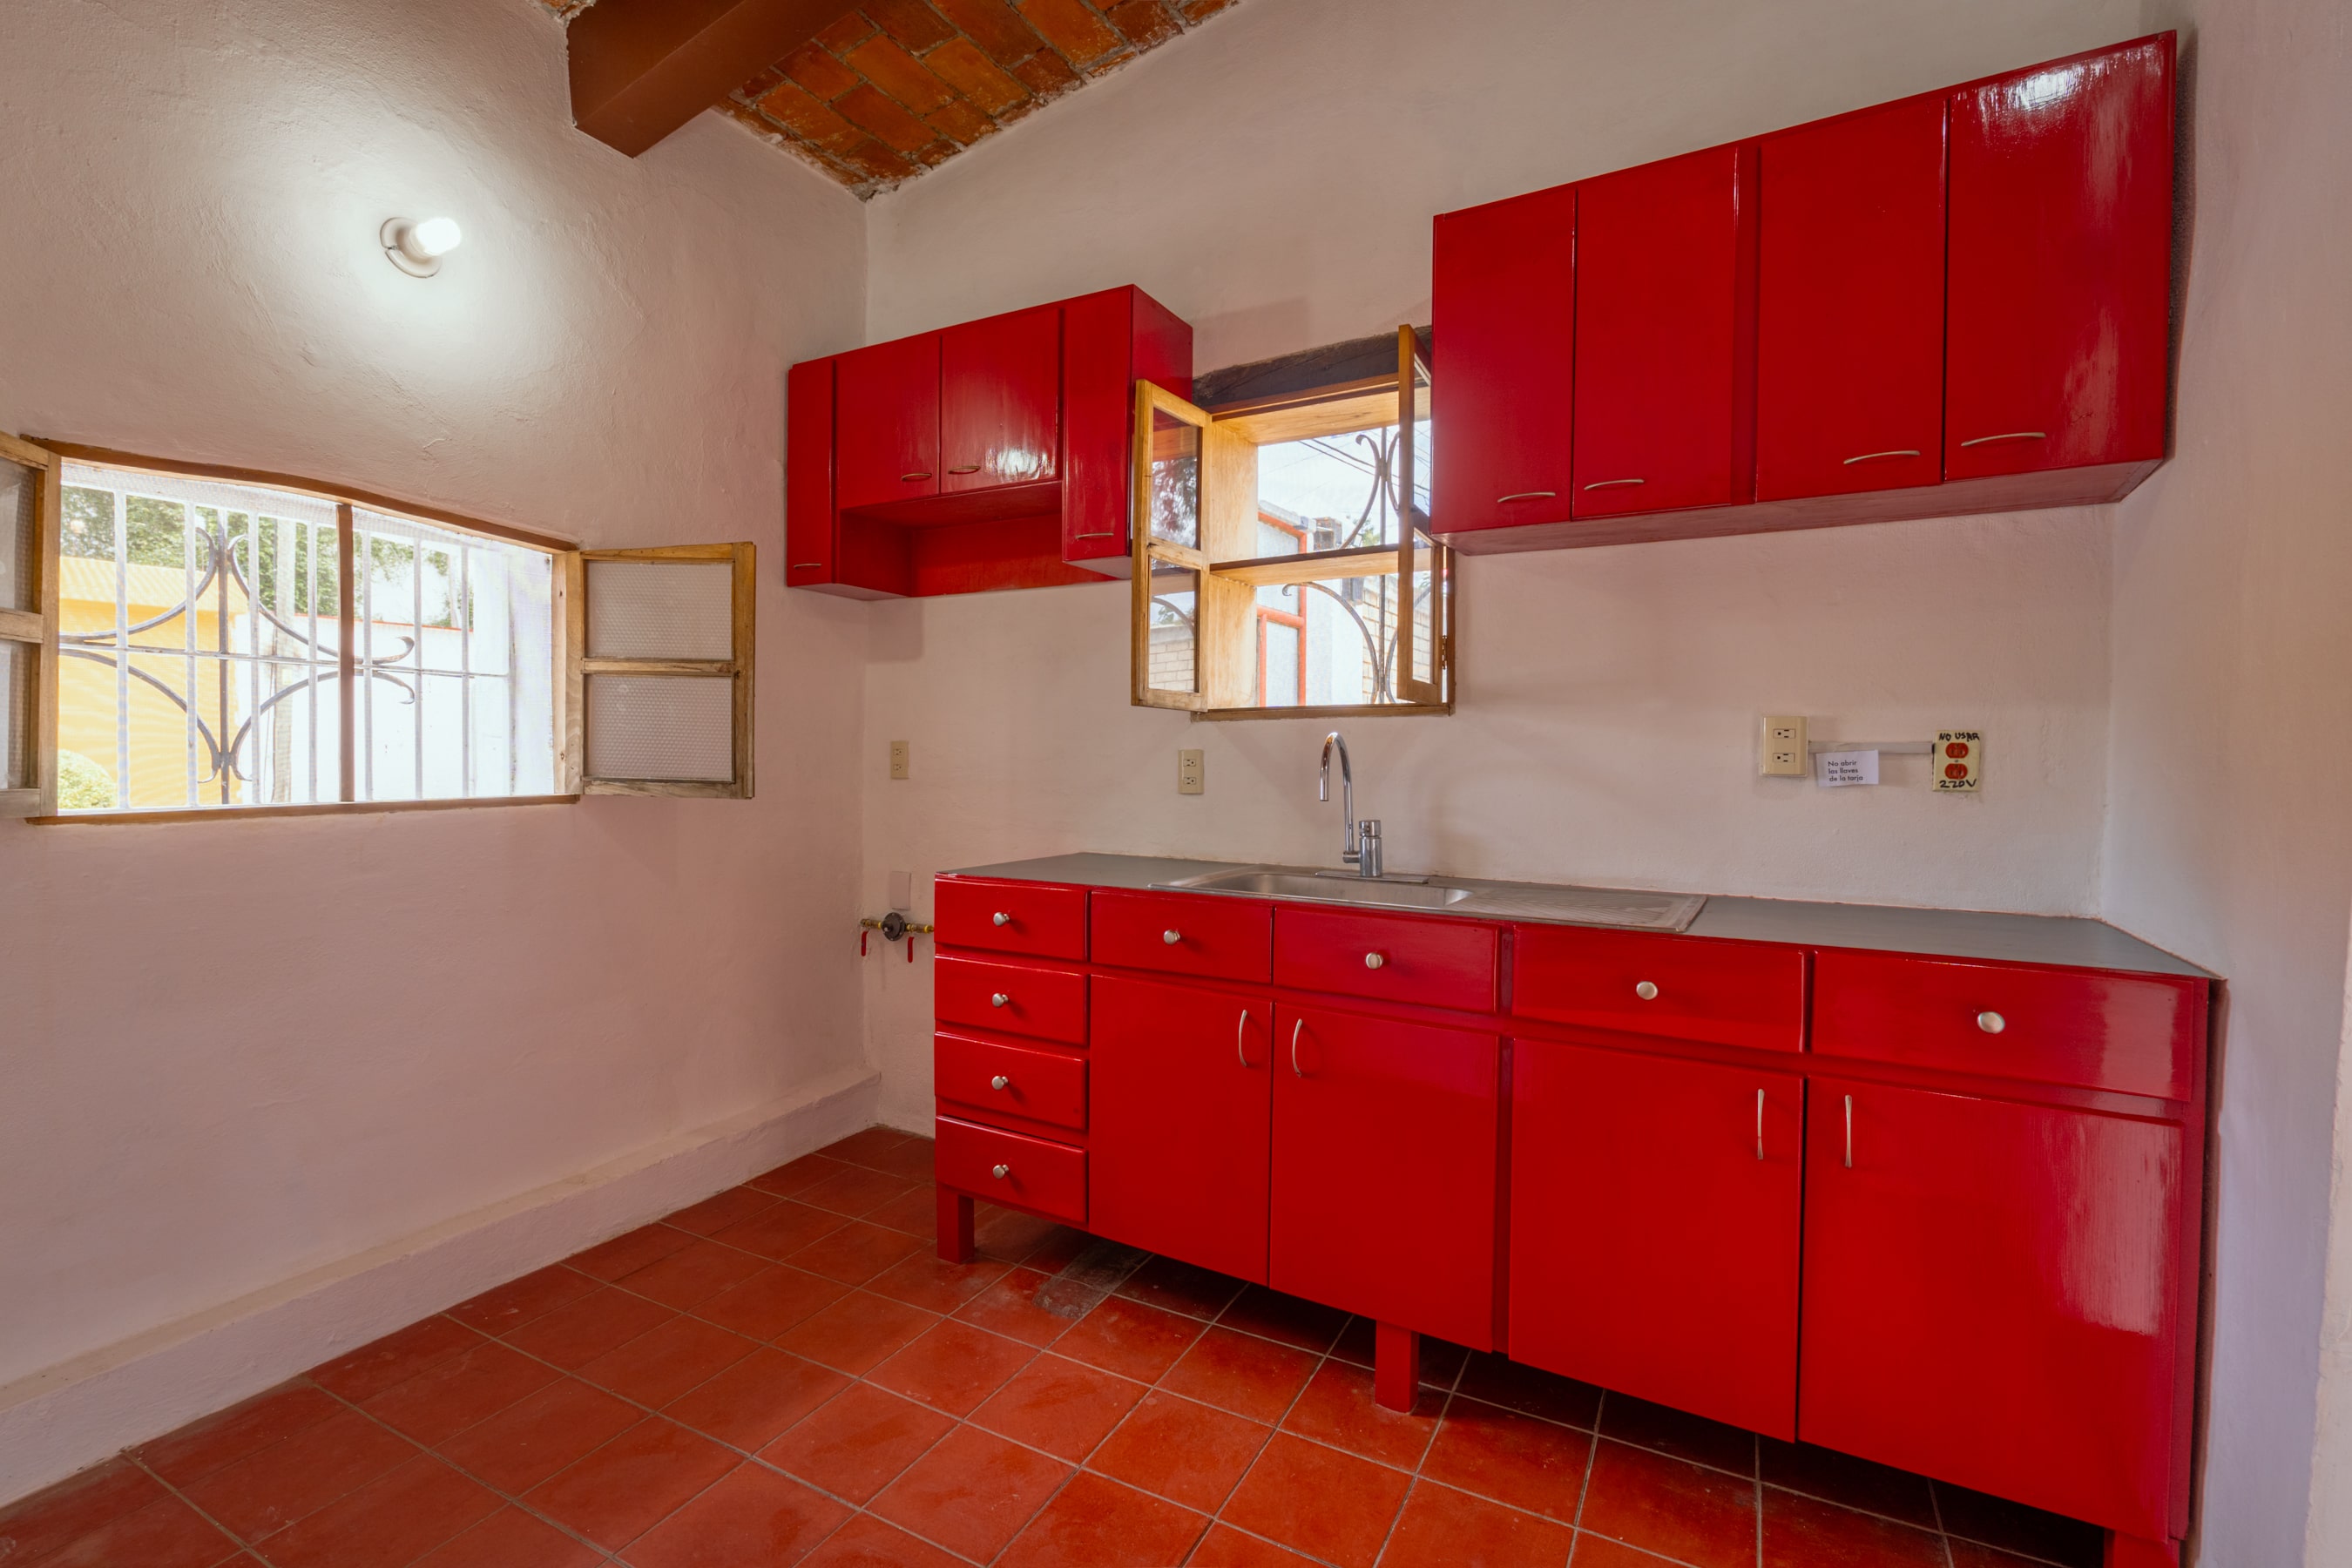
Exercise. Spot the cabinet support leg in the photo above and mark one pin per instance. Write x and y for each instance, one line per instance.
(1396, 1367)
(955, 1227)
(2139, 1551)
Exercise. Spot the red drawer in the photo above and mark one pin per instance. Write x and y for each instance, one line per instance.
(996, 1077)
(1688, 988)
(1048, 1177)
(1040, 919)
(1184, 934)
(1014, 998)
(2133, 1034)
(1387, 958)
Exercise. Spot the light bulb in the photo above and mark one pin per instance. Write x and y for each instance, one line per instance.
(437, 237)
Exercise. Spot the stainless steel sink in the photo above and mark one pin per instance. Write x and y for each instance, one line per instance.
(1407, 892)
(1625, 907)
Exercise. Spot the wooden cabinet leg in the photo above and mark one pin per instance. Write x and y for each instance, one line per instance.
(1396, 1367)
(955, 1227)
(2139, 1551)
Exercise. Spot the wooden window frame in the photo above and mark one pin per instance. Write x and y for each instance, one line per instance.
(571, 716)
(37, 628)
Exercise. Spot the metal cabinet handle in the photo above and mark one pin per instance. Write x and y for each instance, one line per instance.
(910, 478)
(2009, 435)
(970, 468)
(1241, 1039)
(1376, 961)
(806, 565)
(1295, 1068)
(1526, 495)
(1171, 937)
(1000, 999)
(1991, 1023)
(1000, 1171)
(1759, 1124)
(1646, 990)
(999, 1081)
(1612, 484)
(1001, 918)
(1106, 533)
(1849, 1132)
(1874, 457)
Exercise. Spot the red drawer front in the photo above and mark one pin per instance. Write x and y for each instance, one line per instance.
(1184, 934)
(1016, 998)
(1036, 917)
(1725, 992)
(1040, 1085)
(1387, 958)
(1048, 1177)
(2131, 1034)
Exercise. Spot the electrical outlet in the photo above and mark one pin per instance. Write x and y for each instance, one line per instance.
(1959, 760)
(1784, 745)
(898, 762)
(1191, 778)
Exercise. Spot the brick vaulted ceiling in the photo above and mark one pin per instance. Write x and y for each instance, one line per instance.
(898, 87)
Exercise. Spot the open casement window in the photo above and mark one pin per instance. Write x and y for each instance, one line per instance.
(1283, 566)
(659, 696)
(30, 480)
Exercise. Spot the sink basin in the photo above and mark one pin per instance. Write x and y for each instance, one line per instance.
(1623, 907)
(1404, 892)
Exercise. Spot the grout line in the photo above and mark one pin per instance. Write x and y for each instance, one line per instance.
(242, 1546)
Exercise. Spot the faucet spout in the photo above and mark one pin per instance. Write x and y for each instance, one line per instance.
(1349, 853)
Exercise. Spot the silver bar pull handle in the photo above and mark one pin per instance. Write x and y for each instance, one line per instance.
(1874, 457)
(1241, 1039)
(1849, 1132)
(2008, 436)
(1295, 1068)
(1759, 1124)
(1612, 484)
(1525, 495)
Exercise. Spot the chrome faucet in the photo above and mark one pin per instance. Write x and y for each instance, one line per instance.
(1362, 846)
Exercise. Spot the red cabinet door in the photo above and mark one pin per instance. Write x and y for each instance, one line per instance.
(1654, 1242)
(1385, 1169)
(2061, 264)
(1850, 307)
(1664, 343)
(808, 473)
(1506, 314)
(1180, 1114)
(1992, 1296)
(886, 422)
(1001, 400)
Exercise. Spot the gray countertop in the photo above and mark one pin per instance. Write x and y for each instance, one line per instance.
(1882, 928)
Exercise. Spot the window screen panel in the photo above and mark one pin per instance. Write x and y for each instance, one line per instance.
(661, 609)
(20, 497)
(17, 662)
(661, 728)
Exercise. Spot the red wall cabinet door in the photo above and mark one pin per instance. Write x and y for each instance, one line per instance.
(2061, 264)
(808, 474)
(1180, 1116)
(1849, 310)
(886, 422)
(1654, 1228)
(1001, 400)
(1992, 1296)
(1666, 335)
(1385, 1169)
(1505, 323)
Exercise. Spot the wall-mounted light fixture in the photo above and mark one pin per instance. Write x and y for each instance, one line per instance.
(416, 248)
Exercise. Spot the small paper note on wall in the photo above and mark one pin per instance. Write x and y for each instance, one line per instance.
(1835, 770)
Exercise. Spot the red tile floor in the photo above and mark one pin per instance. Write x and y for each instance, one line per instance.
(784, 1374)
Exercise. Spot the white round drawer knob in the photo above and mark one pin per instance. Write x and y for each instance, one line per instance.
(1991, 1023)
(1646, 991)
(999, 1081)
(1002, 918)
(1171, 937)
(999, 1000)
(1375, 960)
(1000, 1171)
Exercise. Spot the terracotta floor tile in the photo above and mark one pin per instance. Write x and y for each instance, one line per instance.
(517, 1301)
(857, 1332)
(1318, 1500)
(512, 1538)
(866, 1543)
(857, 1252)
(664, 1363)
(618, 1492)
(2013, 1527)
(1513, 1458)
(692, 1275)
(1191, 1453)
(471, 1386)
(396, 1358)
(1272, 1315)
(1180, 1288)
(924, 1281)
(391, 1521)
(1670, 1506)
(866, 1148)
(755, 1400)
(859, 1443)
(753, 1516)
(577, 1333)
(1055, 1249)
(1062, 1406)
(916, 1211)
(1337, 1408)
(913, 1159)
(777, 1232)
(165, 1533)
(1679, 1433)
(856, 1192)
(953, 1367)
(199, 1448)
(524, 1444)
(798, 1175)
(1098, 1524)
(717, 1212)
(266, 1491)
(771, 1301)
(972, 1493)
(1800, 1532)
(1010, 1307)
(1600, 1552)
(1840, 1478)
(1010, 1236)
(1130, 1338)
(1529, 1390)
(58, 1516)
(1225, 1547)
(1442, 1528)
(1246, 1375)
(629, 1251)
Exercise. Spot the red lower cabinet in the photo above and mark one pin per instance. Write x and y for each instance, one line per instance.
(1654, 1228)
(1384, 1169)
(1180, 1109)
(1992, 1296)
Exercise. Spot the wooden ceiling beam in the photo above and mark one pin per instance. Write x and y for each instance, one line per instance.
(640, 68)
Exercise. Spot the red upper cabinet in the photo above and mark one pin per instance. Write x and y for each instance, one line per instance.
(1666, 335)
(1505, 321)
(2061, 264)
(887, 422)
(808, 476)
(1849, 310)
(1001, 401)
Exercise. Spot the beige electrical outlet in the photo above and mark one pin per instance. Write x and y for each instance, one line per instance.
(1784, 746)
(898, 760)
(1959, 762)
(1191, 778)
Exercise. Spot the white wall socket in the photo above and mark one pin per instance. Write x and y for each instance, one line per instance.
(1191, 777)
(898, 760)
(1784, 746)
